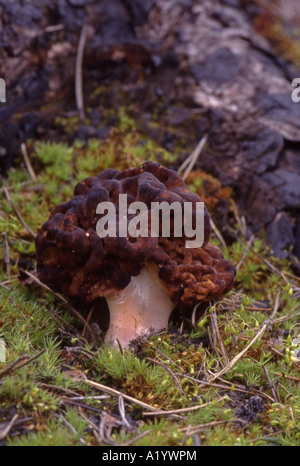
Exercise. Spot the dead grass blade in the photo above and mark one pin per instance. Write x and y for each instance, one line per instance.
(264, 327)
(12, 205)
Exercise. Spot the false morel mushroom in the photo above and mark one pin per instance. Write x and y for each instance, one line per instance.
(142, 277)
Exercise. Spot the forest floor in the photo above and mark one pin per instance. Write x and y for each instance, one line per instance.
(227, 377)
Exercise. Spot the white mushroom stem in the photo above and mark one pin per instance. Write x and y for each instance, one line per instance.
(142, 307)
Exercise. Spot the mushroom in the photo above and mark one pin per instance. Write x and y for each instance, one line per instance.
(143, 278)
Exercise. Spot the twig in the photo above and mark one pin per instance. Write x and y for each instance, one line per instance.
(92, 398)
(135, 439)
(271, 267)
(193, 318)
(114, 392)
(248, 247)
(201, 427)
(107, 423)
(265, 436)
(196, 441)
(92, 425)
(55, 28)
(7, 282)
(60, 321)
(288, 316)
(6, 430)
(264, 327)
(28, 163)
(291, 275)
(71, 428)
(215, 330)
(192, 159)
(187, 434)
(258, 309)
(6, 253)
(5, 287)
(15, 365)
(271, 384)
(184, 410)
(78, 72)
(123, 414)
(79, 350)
(285, 390)
(285, 376)
(217, 233)
(12, 205)
(56, 388)
(223, 387)
(65, 302)
(65, 400)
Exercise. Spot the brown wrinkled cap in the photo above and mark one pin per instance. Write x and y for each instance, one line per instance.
(74, 260)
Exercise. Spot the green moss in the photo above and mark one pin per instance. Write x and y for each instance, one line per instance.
(35, 323)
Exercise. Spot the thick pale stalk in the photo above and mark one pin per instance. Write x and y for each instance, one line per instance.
(142, 307)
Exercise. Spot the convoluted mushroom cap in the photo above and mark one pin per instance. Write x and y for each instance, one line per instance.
(142, 278)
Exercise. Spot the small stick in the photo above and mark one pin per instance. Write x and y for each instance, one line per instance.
(195, 156)
(215, 328)
(88, 398)
(271, 384)
(71, 428)
(193, 318)
(92, 425)
(264, 327)
(211, 384)
(27, 163)
(15, 365)
(61, 323)
(121, 408)
(228, 388)
(55, 28)
(66, 400)
(56, 388)
(274, 269)
(218, 233)
(184, 410)
(225, 387)
(191, 160)
(197, 429)
(291, 275)
(78, 73)
(135, 439)
(290, 377)
(6, 253)
(288, 316)
(12, 205)
(248, 247)
(114, 392)
(5, 287)
(79, 350)
(4, 432)
(196, 441)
